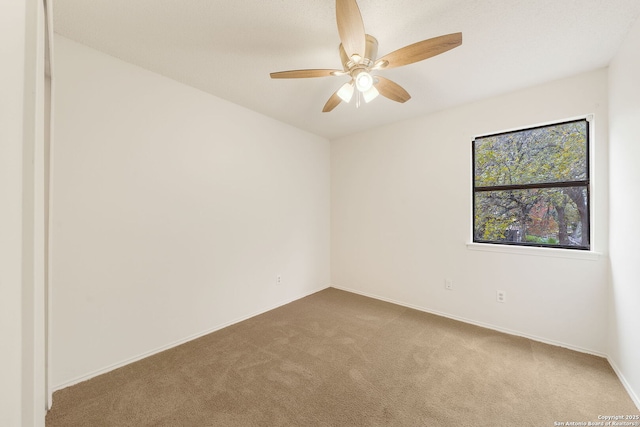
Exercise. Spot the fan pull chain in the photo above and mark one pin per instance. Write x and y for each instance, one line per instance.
(358, 97)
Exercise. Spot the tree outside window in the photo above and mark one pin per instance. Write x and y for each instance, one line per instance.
(531, 187)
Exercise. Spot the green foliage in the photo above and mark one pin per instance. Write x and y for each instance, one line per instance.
(543, 240)
(495, 228)
(543, 155)
(548, 154)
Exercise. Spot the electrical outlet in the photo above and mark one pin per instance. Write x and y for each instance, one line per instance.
(448, 284)
(501, 296)
(278, 280)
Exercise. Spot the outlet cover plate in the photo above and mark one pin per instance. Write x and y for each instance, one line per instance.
(501, 296)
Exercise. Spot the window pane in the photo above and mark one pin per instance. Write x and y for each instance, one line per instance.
(547, 154)
(552, 216)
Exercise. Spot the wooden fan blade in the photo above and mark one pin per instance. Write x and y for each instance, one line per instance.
(391, 90)
(332, 102)
(350, 27)
(303, 74)
(420, 51)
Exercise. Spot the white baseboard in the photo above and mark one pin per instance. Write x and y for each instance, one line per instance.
(177, 343)
(625, 383)
(634, 397)
(630, 391)
(476, 323)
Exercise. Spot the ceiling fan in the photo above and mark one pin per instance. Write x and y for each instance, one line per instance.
(358, 53)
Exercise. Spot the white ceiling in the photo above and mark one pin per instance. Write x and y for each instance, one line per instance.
(228, 48)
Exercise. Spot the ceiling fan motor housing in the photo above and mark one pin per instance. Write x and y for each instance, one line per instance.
(370, 54)
(359, 59)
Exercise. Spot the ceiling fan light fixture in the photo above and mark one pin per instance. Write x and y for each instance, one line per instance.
(364, 81)
(346, 92)
(370, 94)
(359, 57)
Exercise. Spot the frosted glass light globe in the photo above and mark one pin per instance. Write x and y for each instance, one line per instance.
(346, 92)
(364, 81)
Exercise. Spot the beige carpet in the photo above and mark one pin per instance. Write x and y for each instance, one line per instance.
(339, 359)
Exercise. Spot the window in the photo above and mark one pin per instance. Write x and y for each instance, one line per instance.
(531, 187)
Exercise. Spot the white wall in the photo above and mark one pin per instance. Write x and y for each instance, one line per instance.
(22, 387)
(173, 212)
(624, 119)
(401, 219)
(12, 50)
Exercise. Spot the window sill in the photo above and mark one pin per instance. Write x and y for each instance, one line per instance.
(535, 251)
